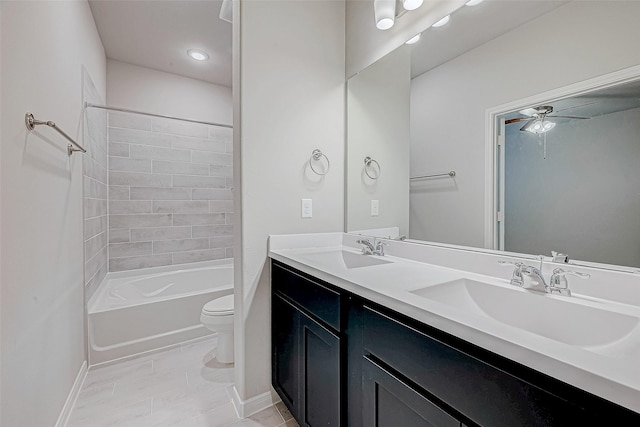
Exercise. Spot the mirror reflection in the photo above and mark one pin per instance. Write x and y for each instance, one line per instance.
(423, 111)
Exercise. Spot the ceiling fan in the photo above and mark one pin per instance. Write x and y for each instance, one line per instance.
(536, 119)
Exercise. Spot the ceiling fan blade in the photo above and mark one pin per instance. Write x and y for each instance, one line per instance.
(576, 106)
(516, 120)
(571, 117)
(527, 124)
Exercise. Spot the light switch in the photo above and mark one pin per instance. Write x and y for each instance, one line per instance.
(374, 208)
(307, 208)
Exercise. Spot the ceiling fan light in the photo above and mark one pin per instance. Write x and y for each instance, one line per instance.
(384, 13)
(442, 22)
(539, 126)
(411, 4)
(547, 125)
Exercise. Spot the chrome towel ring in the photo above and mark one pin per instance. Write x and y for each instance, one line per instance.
(367, 164)
(317, 155)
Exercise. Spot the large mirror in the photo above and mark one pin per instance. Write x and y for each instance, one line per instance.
(457, 100)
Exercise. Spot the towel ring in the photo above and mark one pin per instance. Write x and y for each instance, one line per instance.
(367, 163)
(317, 155)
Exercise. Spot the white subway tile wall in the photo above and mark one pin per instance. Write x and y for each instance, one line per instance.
(95, 190)
(170, 192)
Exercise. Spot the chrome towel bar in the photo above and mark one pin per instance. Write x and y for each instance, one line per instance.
(30, 122)
(435, 175)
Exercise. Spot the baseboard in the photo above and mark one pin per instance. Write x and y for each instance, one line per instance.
(253, 405)
(72, 397)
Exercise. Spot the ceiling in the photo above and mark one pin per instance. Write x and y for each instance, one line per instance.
(157, 34)
(471, 27)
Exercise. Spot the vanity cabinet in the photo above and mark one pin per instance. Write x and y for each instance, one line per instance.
(306, 344)
(342, 358)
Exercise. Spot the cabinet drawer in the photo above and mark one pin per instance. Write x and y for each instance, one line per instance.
(317, 299)
(481, 392)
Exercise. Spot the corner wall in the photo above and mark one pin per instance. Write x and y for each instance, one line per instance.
(289, 97)
(43, 47)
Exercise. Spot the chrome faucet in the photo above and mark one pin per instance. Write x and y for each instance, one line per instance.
(531, 278)
(375, 248)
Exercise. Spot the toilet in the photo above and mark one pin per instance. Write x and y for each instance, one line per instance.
(217, 316)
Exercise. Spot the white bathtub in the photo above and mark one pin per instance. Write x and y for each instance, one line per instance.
(137, 311)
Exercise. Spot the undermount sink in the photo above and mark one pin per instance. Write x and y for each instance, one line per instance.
(352, 260)
(560, 319)
(349, 260)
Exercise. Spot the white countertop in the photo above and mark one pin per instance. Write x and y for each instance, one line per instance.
(610, 371)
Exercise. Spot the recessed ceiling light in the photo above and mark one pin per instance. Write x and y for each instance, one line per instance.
(198, 55)
(442, 22)
(473, 2)
(413, 39)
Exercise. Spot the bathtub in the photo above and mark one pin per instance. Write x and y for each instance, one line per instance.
(142, 310)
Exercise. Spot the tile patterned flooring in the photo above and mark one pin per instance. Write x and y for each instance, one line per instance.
(180, 387)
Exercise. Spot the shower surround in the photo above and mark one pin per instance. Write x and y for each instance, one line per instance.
(170, 192)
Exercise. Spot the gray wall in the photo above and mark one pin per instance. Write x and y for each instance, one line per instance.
(582, 199)
(44, 46)
(170, 192)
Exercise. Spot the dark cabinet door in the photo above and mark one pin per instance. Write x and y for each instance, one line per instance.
(320, 374)
(285, 356)
(387, 401)
(305, 365)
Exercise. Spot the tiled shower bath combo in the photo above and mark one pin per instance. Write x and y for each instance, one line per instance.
(170, 192)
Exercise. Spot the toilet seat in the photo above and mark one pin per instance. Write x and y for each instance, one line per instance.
(222, 306)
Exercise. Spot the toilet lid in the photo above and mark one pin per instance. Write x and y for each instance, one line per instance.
(219, 306)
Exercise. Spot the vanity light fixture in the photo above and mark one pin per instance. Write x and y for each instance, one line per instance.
(473, 2)
(384, 12)
(412, 4)
(198, 55)
(442, 22)
(539, 126)
(414, 39)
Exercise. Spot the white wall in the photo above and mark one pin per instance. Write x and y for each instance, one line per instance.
(152, 91)
(448, 104)
(588, 181)
(289, 97)
(366, 44)
(378, 111)
(44, 46)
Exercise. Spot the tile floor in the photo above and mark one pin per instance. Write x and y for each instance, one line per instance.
(180, 387)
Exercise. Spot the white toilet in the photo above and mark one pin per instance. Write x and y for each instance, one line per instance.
(217, 316)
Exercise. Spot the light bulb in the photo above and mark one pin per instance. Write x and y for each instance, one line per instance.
(384, 13)
(414, 39)
(384, 23)
(442, 22)
(411, 4)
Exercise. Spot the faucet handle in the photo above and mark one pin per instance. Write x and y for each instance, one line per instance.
(367, 247)
(558, 282)
(516, 278)
(379, 250)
